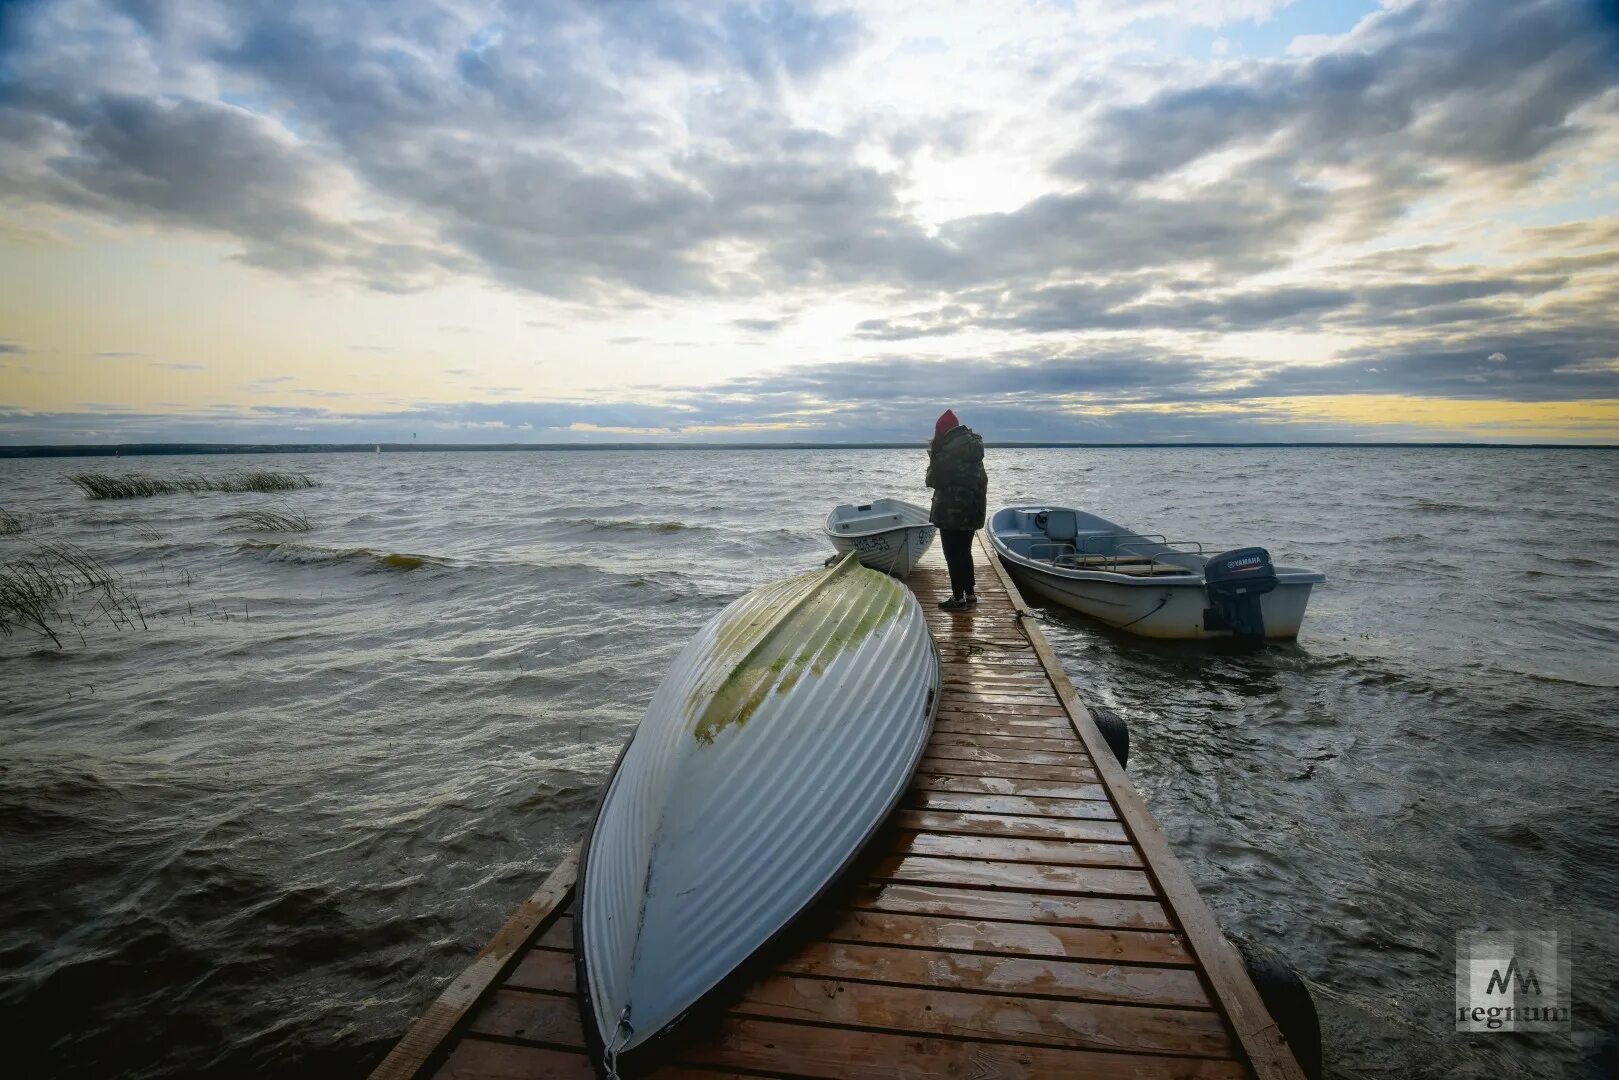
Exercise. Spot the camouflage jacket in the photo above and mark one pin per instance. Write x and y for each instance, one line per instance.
(956, 475)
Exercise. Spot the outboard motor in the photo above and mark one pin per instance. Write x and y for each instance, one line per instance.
(1235, 580)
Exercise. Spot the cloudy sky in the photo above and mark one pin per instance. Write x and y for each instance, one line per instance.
(478, 221)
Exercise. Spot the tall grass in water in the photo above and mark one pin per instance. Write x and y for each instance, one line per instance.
(10, 524)
(98, 485)
(280, 519)
(34, 592)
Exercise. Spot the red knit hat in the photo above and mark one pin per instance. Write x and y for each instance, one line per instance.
(947, 422)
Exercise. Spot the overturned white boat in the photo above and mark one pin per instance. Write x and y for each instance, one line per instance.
(885, 534)
(1146, 583)
(775, 746)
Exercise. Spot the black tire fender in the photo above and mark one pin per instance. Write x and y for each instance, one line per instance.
(1115, 731)
(1288, 1000)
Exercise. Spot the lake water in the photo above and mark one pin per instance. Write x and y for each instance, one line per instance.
(256, 835)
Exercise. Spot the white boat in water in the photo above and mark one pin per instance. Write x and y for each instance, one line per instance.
(1149, 584)
(885, 534)
(777, 743)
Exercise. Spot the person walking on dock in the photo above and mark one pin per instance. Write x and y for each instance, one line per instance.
(960, 493)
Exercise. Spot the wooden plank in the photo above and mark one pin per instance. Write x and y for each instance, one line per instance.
(962, 767)
(1002, 785)
(987, 696)
(1019, 906)
(538, 1018)
(978, 751)
(1028, 877)
(1262, 1041)
(1010, 938)
(949, 703)
(1022, 663)
(480, 1059)
(547, 970)
(1027, 724)
(1022, 679)
(1010, 825)
(989, 1017)
(853, 1054)
(920, 798)
(1037, 976)
(958, 734)
(432, 1028)
(1008, 849)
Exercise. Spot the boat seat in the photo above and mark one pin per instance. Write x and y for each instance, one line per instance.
(1062, 525)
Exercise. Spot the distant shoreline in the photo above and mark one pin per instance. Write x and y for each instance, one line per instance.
(179, 449)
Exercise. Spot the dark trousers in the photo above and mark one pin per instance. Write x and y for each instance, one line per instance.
(958, 556)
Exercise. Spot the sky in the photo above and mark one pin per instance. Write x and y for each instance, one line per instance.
(474, 221)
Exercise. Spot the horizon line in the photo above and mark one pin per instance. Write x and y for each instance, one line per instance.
(177, 449)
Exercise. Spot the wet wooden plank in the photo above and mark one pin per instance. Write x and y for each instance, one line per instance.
(1010, 938)
(963, 735)
(552, 1019)
(1012, 724)
(807, 1050)
(481, 1059)
(1174, 987)
(989, 1017)
(1043, 908)
(1009, 849)
(1013, 770)
(957, 703)
(978, 751)
(546, 970)
(921, 798)
(1032, 877)
(1010, 825)
(1002, 785)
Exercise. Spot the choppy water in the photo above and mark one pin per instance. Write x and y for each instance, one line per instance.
(256, 836)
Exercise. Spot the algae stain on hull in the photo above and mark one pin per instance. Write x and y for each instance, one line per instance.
(820, 616)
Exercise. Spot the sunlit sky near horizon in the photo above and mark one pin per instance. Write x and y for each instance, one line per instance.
(475, 221)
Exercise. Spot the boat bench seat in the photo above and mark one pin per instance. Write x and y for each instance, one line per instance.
(871, 521)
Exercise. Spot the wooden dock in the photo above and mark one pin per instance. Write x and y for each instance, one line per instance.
(1027, 919)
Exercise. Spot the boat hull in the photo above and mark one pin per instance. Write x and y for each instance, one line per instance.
(777, 744)
(1168, 612)
(895, 552)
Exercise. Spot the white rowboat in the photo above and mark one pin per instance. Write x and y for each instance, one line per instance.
(779, 740)
(1149, 584)
(885, 534)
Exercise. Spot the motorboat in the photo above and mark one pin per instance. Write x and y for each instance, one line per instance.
(777, 743)
(885, 534)
(1146, 583)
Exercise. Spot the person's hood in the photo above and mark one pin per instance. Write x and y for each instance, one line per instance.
(947, 421)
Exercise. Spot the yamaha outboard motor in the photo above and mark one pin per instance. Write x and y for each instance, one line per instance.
(1235, 581)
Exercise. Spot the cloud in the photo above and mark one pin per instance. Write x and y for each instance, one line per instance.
(1078, 229)
(11, 348)
(760, 326)
(178, 366)
(1414, 88)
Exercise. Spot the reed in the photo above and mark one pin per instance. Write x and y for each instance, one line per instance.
(35, 591)
(278, 519)
(11, 524)
(99, 485)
